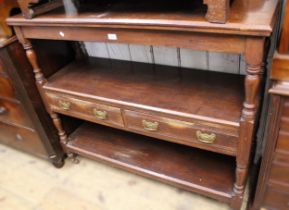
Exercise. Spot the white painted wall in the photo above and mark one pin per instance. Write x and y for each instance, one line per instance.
(213, 61)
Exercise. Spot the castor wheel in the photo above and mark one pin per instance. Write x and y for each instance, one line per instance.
(73, 158)
(58, 163)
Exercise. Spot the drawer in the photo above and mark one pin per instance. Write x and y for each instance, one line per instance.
(284, 124)
(86, 110)
(280, 171)
(283, 141)
(14, 113)
(6, 88)
(275, 199)
(181, 132)
(22, 139)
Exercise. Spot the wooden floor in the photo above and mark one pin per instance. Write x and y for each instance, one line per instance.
(28, 183)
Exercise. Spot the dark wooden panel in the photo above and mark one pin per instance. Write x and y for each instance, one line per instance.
(20, 138)
(187, 133)
(2, 69)
(6, 88)
(14, 113)
(192, 93)
(207, 173)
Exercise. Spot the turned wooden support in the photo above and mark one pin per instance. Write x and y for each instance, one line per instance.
(40, 82)
(254, 59)
(57, 123)
(29, 11)
(31, 55)
(218, 10)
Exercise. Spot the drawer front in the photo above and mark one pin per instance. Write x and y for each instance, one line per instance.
(283, 137)
(280, 171)
(276, 199)
(180, 132)
(22, 139)
(83, 109)
(14, 113)
(6, 88)
(283, 142)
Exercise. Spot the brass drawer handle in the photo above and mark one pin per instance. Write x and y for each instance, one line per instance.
(150, 126)
(65, 105)
(99, 114)
(206, 138)
(3, 110)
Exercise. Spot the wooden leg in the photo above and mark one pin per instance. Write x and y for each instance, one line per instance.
(254, 59)
(218, 10)
(57, 123)
(58, 163)
(40, 82)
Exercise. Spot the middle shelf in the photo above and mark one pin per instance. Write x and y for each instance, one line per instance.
(187, 106)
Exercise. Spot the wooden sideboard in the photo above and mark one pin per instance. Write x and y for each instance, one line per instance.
(190, 128)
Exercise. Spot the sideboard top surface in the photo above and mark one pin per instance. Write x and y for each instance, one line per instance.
(247, 17)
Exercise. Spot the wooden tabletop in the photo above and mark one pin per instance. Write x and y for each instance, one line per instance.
(247, 17)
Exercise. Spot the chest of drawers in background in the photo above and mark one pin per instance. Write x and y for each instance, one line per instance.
(273, 183)
(24, 124)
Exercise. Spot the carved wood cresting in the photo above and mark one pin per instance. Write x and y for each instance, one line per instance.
(218, 10)
(29, 11)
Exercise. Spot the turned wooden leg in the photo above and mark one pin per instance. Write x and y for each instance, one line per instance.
(218, 10)
(58, 163)
(31, 55)
(57, 123)
(254, 60)
(40, 82)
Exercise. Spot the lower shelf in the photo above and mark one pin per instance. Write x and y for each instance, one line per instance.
(195, 170)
